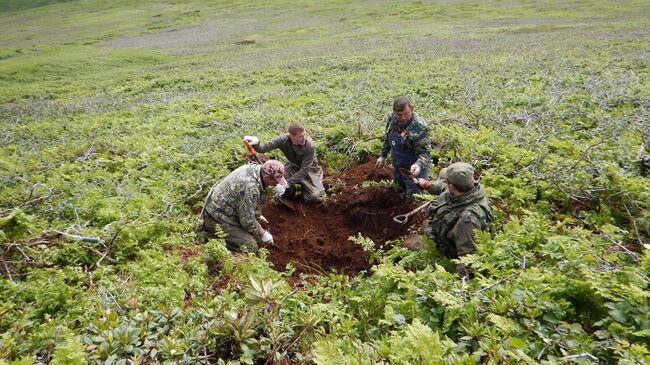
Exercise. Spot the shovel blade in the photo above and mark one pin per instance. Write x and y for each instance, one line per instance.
(406, 173)
(289, 204)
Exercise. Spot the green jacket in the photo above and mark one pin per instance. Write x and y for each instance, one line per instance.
(415, 139)
(437, 186)
(453, 220)
(302, 157)
(237, 199)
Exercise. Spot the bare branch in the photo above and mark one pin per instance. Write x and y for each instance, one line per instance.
(582, 355)
(625, 249)
(497, 283)
(639, 155)
(109, 248)
(91, 284)
(4, 263)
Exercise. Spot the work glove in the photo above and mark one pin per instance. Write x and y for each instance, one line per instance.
(423, 183)
(280, 189)
(263, 219)
(252, 140)
(415, 169)
(381, 161)
(267, 238)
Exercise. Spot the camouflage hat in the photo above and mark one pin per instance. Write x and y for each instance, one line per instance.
(461, 174)
(274, 169)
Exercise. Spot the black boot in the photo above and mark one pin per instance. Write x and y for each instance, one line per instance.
(464, 271)
(290, 192)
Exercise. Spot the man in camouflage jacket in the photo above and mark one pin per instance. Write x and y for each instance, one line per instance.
(407, 140)
(302, 168)
(458, 212)
(234, 205)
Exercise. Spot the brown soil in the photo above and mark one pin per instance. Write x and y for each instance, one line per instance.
(315, 238)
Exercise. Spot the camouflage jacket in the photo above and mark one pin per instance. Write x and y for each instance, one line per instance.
(437, 186)
(454, 219)
(415, 139)
(302, 157)
(237, 199)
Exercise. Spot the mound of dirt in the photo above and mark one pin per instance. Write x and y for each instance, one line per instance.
(315, 237)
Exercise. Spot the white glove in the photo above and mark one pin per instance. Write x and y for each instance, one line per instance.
(280, 189)
(415, 169)
(253, 140)
(380, 162)
(263, 219)
(423, 183)
(267, 238)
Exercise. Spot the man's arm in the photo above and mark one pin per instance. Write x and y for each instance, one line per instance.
(422, 145)
(248, 211)
(386, 147)
(436, 187)
(271, 145)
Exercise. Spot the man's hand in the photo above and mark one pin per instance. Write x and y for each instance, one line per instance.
(280, 189)
(380, 162)
(267, 238)
(415, 169)
(252, 140)
(262, 219)
(423, 183)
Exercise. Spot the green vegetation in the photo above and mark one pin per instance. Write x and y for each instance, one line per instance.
(118, 116)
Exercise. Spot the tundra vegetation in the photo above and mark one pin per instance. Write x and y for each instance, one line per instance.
(117, 117)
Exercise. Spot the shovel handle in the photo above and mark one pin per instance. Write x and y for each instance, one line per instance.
(403, 218)
(249, 147)
(252, 152)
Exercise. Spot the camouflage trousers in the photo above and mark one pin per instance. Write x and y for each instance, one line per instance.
(414, 241)
(311, 186)
(236, 239)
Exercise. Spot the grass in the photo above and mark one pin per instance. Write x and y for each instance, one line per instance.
(118, 116)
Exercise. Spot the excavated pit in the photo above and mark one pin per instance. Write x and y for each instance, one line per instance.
(314, 238)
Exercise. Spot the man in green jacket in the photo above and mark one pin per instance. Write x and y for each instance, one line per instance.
(458, 212)
(302, 169)
(234, 204)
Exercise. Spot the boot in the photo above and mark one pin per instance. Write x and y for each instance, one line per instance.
(464, 272)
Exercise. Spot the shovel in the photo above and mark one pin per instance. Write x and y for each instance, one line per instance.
(403, 218)
(252, 152)
(406, 173)
(284, 201)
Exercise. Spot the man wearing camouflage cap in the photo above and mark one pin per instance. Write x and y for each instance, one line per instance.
(407, 140)
(234, 204)
(302, 169)
(458, 212)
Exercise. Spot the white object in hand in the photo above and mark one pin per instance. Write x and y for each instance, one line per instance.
(423, 183)
(415, 169)
(280, 189)
(267, 238)
(253, 140)
(380, 162)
